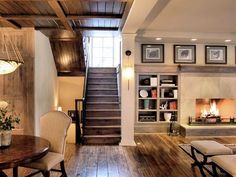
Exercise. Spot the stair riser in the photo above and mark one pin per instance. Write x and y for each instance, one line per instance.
(99, 122)
(102, 99)
(113, 80)
(101, 82)
(102, 92)
(101, 131)
(103, 113)
(102, 75)
(101, 141)
(102, 70)
(102, 86)
(103, 106)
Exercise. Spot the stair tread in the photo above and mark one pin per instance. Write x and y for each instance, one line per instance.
(102, 126)
(101, 77)
(102, 95)
(96, 109)
(102, 118)
(102, 89)
(90, 102)
(102, 136)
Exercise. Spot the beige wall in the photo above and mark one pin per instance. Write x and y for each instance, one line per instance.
(70, 88)
(169, 54)
(46, 83)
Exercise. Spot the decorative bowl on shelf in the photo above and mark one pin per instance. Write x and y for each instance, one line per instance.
(167, 116)
(143, 93)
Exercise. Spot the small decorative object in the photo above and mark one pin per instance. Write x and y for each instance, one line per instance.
(215, 54)
(154, 93)
(143, 93)
(146, 104)
(175, 93)
(153, 81)
(162, 93)
(185, 54)
(167, 116)
(7, 122)
(152, 53)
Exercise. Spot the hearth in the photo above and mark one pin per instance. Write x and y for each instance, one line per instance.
(213, 111)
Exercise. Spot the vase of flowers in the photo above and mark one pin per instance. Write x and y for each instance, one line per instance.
(7, 122)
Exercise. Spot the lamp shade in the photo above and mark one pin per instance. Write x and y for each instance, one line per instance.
(10, 57)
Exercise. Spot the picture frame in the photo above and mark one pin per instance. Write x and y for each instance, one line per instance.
(152, 53)
(215, 54)
(184, 54)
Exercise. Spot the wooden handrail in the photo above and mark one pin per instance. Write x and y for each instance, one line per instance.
(83, 109)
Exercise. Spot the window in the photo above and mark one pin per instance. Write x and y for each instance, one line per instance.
(105, 52)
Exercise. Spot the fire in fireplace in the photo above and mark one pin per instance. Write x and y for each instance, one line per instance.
(214, 110)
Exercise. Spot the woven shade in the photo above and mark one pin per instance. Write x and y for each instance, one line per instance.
(10, 57)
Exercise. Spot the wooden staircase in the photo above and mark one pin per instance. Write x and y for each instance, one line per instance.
(103, 122)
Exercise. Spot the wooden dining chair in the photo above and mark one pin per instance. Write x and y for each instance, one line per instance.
(53, 127)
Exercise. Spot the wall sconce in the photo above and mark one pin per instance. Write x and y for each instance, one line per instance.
(128, 70)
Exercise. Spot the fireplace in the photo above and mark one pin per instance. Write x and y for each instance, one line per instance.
(213, 111)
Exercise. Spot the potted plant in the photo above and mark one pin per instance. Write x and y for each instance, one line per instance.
(7, 122)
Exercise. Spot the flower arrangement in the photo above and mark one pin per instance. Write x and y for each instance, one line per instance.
(7, 120)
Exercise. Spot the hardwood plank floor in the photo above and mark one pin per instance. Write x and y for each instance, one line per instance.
(156, 155)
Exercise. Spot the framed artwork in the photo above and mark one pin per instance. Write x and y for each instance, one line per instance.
(185, 54)
(152, 53)
(215, 54)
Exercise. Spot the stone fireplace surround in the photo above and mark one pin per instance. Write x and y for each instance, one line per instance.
(205, 85)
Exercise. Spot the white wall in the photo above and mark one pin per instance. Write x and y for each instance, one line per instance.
(46, 84)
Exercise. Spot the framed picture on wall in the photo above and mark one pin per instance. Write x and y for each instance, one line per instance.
(215, 54)
(185, 54)
(152, 53)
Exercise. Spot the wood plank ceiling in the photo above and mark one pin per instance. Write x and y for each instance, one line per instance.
(64, 21)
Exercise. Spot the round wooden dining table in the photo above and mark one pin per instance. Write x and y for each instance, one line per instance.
(23, 149)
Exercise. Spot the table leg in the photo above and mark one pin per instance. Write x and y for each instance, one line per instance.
(2, 174)
(15, 172)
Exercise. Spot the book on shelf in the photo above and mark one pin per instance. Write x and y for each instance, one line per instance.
(168, 85)
(167, 81)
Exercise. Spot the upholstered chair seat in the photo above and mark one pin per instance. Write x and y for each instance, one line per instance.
(53, 127)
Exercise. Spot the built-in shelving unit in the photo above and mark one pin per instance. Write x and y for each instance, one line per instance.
(157, 97)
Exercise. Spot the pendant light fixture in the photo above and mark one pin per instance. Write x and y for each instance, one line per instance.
(10, 57)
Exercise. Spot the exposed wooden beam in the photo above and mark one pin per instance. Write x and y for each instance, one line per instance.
(125, 14)
(69, 17)
(84, 17)
(59, 12)
(9, 24)
(81, 28)
(30, 17)
(64, 0)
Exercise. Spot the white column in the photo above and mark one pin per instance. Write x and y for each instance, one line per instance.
(127, 91)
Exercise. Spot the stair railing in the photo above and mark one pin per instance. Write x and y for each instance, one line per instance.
(118, 74)
(80, 109)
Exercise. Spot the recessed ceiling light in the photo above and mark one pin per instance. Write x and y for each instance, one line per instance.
(227, 40)
(194, 39)
(158, 38)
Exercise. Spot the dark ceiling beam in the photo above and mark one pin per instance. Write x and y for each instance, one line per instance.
(84, 17)
(64, 0)
(81, 28)
(126, 12)
(30, 17)
(59, 12)
(53, 17)
(9, 24)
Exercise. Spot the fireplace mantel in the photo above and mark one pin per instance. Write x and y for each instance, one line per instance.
(207, 69)
(185, 68)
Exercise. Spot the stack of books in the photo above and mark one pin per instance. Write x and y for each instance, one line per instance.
(167, 82)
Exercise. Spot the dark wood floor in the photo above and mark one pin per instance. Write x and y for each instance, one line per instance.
(154, 156)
